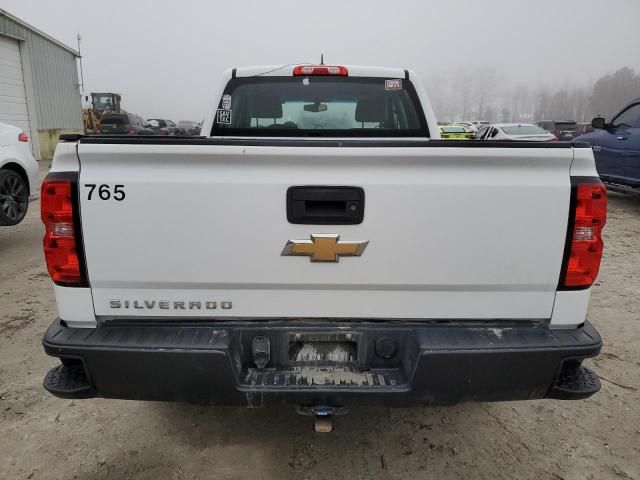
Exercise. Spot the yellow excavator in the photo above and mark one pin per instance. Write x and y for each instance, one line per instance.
(100, 103)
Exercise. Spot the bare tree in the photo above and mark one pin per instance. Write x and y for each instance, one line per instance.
(611, 92)
(485, 94)
(484, 90)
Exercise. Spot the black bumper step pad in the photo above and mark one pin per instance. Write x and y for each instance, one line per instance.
(69, 381)
(575, 382)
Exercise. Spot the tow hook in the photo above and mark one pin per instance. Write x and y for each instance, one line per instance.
(323, 419)
(322, 414)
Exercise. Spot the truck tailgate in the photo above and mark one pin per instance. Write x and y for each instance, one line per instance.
(453, 232)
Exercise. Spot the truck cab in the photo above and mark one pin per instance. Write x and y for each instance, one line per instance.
(105, 102)
(616, 146)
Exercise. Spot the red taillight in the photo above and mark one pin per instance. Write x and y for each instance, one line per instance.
(584, 252)
(23, 137)
(320, 70)
(62, 242)
(131, 129)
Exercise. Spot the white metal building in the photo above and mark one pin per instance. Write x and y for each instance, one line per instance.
(38, 84)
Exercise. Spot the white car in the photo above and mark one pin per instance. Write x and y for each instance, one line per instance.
(18, 174)
(514, 131)
(468, 126)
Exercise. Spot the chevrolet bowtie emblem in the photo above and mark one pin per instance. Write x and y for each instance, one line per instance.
(324, 248)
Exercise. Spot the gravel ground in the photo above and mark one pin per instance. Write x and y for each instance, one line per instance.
(46, 437)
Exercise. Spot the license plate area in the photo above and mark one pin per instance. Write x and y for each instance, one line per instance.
(357, 356)
(366, 346)
(322, 349)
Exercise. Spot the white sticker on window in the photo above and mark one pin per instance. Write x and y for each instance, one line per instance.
(224, 116)
(305, 81)
(226, 101)
(393, 84)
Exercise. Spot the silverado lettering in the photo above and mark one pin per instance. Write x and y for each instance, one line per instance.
(166, 304)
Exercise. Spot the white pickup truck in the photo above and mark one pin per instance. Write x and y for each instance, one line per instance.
(320, 246)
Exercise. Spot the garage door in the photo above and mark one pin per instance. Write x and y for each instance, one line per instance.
(13, 101)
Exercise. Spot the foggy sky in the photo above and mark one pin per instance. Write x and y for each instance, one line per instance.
(165, 57)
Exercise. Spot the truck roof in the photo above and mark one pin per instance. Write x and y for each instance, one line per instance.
(287, 71)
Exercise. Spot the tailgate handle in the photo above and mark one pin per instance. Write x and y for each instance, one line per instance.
(324, 205)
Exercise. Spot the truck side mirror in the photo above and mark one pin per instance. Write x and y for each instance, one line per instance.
(599, 123)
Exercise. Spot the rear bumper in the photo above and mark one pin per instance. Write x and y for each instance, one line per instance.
(415, 364)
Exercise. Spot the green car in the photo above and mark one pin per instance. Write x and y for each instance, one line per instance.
(454, 132)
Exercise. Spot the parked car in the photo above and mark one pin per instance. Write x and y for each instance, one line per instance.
(188, 128)
(18, 174)
(161, 126)
(292, 269)
(563, 129)
(480, 123)
(469, 126)
(616, 146)
(123, 124)
(514, 131)
(454, 132)
(481, 133)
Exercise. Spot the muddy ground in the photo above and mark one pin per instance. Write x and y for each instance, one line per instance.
(43, 437)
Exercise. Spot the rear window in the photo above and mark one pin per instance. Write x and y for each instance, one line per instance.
(110, 119)
(524, 130)
(154, 122)
(572, 126)
(453, 130)
(320, 107)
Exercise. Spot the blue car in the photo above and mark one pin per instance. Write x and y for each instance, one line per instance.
(616, 146)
